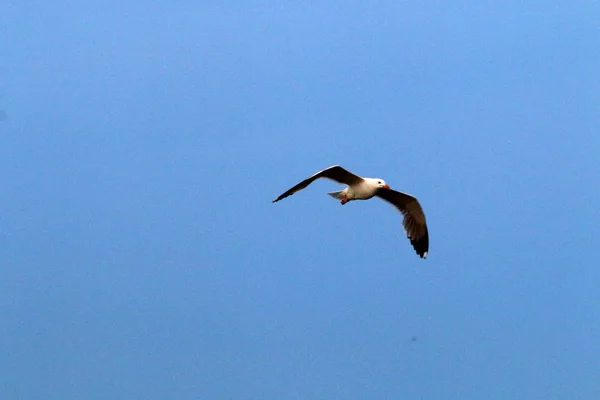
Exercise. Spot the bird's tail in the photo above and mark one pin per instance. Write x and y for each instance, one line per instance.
(337, 195)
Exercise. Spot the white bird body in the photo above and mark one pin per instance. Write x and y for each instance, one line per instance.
(365, 188)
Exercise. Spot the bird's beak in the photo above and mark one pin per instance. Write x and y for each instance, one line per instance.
(386, 186)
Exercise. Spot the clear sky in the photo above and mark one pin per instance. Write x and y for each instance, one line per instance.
(141, 146)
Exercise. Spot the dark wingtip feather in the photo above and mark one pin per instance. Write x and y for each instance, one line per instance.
(421, 245)
(283, 196)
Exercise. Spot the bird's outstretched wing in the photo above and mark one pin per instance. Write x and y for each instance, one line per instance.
(414, 219)
(335, 173)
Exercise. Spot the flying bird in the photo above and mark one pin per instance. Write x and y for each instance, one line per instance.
(360, 188)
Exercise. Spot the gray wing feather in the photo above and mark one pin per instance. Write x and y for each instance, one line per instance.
(335, 173)
(414, 218)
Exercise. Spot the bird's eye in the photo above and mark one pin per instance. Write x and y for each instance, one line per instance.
(379, 182)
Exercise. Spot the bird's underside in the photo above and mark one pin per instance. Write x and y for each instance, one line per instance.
(359, 188)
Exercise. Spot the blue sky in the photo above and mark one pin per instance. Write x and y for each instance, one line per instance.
(141, 256)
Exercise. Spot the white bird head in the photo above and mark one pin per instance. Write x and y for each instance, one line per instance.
(380, 183)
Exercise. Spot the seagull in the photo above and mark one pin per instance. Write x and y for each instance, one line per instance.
(360, 188)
